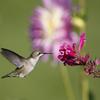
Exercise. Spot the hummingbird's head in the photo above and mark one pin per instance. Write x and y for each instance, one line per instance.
(37, 53)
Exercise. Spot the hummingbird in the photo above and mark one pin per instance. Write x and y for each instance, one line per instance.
(23, 65)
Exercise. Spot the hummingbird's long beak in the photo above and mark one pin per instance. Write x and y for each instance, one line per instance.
(47, 53)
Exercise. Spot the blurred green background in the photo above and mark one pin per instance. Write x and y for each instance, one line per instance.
(45, 82)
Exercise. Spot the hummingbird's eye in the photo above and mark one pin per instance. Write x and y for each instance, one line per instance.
(36, 53)
(39, 53)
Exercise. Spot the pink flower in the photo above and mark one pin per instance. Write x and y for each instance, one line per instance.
(90, 67)
(70, 55)
(51, 26)
(82, 41)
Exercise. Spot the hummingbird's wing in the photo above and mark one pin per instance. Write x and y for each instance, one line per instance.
(13, 57)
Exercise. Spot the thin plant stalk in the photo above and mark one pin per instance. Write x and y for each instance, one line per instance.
(85, 89)
(82, 4)
(67, 83)
(85, 81)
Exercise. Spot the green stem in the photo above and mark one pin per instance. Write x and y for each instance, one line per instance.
(67, 83)
(82, 4)
(85, 89)
(85, 81)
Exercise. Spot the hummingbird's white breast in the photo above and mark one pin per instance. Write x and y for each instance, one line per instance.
(33, 61)
(29, 66)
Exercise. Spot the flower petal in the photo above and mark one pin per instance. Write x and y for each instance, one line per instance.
(97, 61)
(82, 41)
(67, 4)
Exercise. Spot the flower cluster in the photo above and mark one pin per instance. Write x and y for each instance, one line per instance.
(70, 55)
(51, 26)
(51, 31)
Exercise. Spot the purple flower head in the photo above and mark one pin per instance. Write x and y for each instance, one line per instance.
(51, 26)
(70, 55)
(66, 4)
(90, 67)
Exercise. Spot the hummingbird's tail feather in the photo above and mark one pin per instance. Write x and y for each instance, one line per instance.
(0, 50)
(11, 74)
(5, 76)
